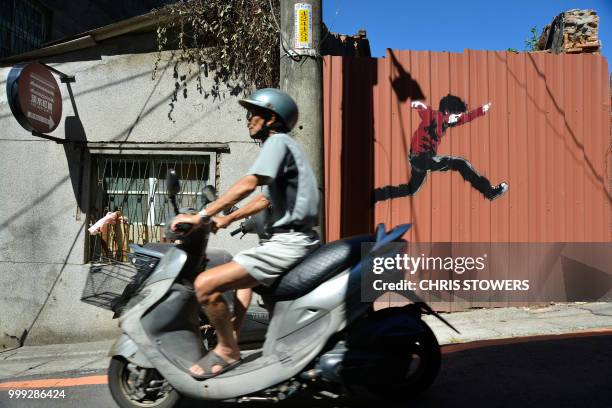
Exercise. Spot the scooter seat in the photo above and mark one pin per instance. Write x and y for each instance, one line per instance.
(321, 265)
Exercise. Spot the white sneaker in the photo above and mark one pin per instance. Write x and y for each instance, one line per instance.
(499, 191)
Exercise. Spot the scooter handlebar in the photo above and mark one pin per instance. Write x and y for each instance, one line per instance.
(248, 226)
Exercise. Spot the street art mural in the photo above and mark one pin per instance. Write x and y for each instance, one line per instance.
(403, 146)
(423, 157)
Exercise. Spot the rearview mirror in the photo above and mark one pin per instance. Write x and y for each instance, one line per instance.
(173, 187)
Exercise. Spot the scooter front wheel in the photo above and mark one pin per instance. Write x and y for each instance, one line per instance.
(132, 386)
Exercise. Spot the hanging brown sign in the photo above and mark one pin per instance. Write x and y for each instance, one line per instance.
(34, 97)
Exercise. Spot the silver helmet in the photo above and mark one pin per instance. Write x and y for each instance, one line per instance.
(275, 101)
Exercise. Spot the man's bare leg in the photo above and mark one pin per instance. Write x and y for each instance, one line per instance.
(242, 300)
(209, 286)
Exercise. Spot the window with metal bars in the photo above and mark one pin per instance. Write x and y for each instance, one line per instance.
(24, 25)
(135, 188)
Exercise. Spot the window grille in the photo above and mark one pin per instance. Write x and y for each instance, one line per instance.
(24, 25)
(136, 188)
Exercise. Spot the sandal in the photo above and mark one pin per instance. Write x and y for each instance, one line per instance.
(210, 360)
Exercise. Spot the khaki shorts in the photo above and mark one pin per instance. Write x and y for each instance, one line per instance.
(275, 256)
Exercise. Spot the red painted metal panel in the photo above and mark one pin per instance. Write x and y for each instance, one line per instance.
(589, 139)
(601, 179)
(357, 145)
(332, 133)
(540, 146)
(578, 128)
(518, 176)
(348, 93)
(441, 211)
(606, 140)
(572, 150)
(398, 149)
(459, 138)
(421, 215)
(551, 167)
(557, 151)
(383, 165)
(401, 69)
(498, 132)
(441, 194)
(517, 150)
(594, 152)
(480, 145)
(531, 153)
(538, 177)
(460, 147)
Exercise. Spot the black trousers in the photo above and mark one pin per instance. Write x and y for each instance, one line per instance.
(425, 162)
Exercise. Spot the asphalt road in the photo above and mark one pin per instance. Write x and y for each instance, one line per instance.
(568, 372)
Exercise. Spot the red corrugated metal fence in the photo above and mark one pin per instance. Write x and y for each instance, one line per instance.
(547, 135)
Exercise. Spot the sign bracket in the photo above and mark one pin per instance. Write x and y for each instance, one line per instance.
(64, 78)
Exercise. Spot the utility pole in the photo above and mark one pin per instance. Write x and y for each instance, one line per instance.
(301, 76)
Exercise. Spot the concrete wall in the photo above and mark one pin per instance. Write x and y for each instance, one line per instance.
(43, 191)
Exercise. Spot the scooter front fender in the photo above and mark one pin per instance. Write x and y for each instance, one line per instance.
(126, 348)
(387, 328)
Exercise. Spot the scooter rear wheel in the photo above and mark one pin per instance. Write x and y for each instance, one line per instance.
(409, 369)
(137, 387)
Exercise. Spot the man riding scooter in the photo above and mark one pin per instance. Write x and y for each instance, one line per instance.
(290, 199)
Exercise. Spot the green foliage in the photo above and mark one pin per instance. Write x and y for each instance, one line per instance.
(531, 43)
(236, 41)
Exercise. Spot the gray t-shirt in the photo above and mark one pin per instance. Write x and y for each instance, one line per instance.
(290, 187)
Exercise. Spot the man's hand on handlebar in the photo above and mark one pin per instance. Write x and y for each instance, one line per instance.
(220, 223)
(183, 223)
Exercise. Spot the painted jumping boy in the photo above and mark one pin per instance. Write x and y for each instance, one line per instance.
(424, 146)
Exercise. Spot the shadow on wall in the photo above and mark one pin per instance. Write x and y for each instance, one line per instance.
(359, 76)
(358, 136)
(404, 86)
(77, 153)
(78, 157)
(585, 281)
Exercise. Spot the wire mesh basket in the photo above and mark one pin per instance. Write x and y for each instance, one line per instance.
(110, 283)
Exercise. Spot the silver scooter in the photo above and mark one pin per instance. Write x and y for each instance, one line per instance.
(321, 338)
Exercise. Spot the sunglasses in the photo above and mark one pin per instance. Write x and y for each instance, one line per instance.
(253, 112)
(250, 114)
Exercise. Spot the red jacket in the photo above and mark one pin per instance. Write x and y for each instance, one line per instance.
(428, 135)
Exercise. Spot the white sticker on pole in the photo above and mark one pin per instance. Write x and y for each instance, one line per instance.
(303, 26)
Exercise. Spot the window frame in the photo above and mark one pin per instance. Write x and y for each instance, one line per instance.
(167, 158)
